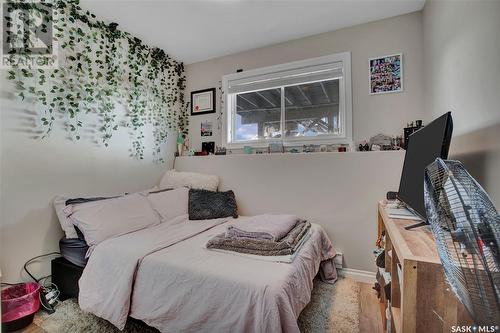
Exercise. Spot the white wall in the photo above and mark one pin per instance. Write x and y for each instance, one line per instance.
(34, 171)
(386, 113)
(462, 75)
(339, 191)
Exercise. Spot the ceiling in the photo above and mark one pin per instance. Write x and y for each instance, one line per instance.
(193, 31)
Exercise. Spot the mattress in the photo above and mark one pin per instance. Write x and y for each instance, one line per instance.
(74, 250)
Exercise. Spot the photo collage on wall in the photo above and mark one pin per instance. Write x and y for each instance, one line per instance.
(386, 74)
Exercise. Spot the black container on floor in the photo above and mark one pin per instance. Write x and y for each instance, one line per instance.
(65, 276)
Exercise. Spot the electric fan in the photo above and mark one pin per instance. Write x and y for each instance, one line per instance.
(466, 227)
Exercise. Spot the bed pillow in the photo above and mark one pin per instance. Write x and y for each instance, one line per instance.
(101, 220)
(176, 179)
(170, 203)
(66, 225)
(64, 206)
(205, 205)
(61, 204)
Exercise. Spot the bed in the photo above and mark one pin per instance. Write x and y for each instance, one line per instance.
(165, 277)
(144, 256)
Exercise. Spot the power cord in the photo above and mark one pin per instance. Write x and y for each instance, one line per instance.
(49, 292)
(30, 261)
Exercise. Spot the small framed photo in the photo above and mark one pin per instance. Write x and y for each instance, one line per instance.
(386, 74)
(203, 101)
(206, 128)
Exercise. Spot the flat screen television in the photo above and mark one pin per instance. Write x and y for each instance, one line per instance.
(424, 146)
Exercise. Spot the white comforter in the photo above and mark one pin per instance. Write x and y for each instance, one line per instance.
(166, 277)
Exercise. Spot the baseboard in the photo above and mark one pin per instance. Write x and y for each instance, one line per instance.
(358, 275)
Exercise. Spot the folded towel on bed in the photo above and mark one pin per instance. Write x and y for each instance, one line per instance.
(264, 247)
(266, 226)
(287, 259)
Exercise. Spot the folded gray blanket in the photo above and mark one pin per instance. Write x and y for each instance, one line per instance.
(286, 246)
(265, 226)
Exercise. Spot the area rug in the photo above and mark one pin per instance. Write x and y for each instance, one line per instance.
(333, 308)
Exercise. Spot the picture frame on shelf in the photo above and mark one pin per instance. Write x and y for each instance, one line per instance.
(385, 74)
(203, 101)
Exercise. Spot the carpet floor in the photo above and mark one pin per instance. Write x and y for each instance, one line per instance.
(333, 308)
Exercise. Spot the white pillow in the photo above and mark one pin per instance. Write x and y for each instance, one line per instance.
(176, 179)
(170, 203)
(101, 220)
(66, 224)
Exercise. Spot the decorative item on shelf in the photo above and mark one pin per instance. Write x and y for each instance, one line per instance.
(409, 129)
(397, 142)
(203, 101)
(275, 147)
(191, 152)
(259, 152)
(386, 74)
(376, 147)
(342, 149)
(220, 150)
(364, 146)
(180, 143)
(293, 151)
(208, 147)
(382, 141)
(200, 153)
(308, 149)
(186, 146)
(247, 150)
(323, 148)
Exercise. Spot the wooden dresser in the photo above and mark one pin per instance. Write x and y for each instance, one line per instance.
(420, 300)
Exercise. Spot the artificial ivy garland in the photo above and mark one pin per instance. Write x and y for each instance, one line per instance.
(103, 67)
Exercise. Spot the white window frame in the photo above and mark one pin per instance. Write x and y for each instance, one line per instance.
(345, 104)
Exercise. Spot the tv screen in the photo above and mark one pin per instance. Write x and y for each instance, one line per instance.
(424, 146)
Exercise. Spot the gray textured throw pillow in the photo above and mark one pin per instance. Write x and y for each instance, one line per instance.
(205, 205)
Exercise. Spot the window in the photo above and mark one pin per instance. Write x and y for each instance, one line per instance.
(296, 103)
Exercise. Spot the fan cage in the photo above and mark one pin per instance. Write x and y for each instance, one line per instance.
(466, 227)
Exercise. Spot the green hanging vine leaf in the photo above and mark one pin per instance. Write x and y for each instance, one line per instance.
(104, 67)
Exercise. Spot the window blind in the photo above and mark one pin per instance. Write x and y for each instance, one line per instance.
(286, 78)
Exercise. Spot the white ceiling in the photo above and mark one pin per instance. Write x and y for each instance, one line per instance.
(193, 31)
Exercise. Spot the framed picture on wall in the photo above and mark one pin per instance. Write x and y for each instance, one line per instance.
(386, 74)
(203, 101)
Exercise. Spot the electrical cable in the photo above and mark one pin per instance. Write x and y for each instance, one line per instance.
(49, 292)
(11, 284)
(33, 259)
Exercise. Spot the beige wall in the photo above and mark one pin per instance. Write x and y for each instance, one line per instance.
(462, 75)
(387, 113)
(33, 172)
(339, 191)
